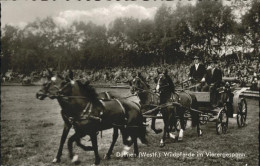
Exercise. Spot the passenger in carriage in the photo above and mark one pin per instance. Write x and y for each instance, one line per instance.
(197, 73)
(213, 80)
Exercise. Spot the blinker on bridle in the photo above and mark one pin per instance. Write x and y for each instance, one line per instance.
(60, 89)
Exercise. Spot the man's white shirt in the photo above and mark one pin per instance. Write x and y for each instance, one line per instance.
(196, 66)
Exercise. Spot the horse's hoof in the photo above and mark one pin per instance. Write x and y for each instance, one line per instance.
(55, 160)
(125, 151)
(172, 136)
(180, 139)
(136, 155)
(162, 145)
(107, 157)
(158, 131)
(97, 162)
(75, 159)
(125, 156)
(200, 133)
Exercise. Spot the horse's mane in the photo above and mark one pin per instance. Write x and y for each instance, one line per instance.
(88, 91)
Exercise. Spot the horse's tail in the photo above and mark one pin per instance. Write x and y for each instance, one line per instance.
(136, 119)
(142, 132)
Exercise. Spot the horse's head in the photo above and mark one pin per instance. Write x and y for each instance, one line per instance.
(137, 85)
(55, 86)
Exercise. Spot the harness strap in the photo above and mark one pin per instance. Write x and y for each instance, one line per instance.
(123, 109)
(70, 119)
(108, 96)
(85, 109)
(102, 102)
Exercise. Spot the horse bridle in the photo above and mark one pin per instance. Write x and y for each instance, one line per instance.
(60, 89)
(86, 113)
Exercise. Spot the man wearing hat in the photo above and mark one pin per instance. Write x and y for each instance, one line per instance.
(197, 72)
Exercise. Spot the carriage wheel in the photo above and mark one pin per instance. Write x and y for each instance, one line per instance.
(242, 113)
(222, 122)
(203, 119)
(178, 124)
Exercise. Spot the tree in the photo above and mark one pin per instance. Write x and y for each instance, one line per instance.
(163, 31)
(250, 22)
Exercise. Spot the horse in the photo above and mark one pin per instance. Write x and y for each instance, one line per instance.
(182, 101)
(148, 99)
(107, 95)
(82, 109)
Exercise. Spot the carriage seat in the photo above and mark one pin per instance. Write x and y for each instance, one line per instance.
(202, 96)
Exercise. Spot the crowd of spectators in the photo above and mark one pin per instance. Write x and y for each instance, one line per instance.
(247, 72)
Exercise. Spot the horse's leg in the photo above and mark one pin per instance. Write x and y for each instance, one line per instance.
(64, 135)
(199, 131)
(196, 122)
(93, 137)
(85, 148)
(172, 122)
(165, 129)
(136, 152)
(127, 144)
(74, 158)
(115, 136)
(157, 131)
(181, 116)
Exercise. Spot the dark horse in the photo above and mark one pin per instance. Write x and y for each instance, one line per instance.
(148, 99)
(150, 102)
(183, 101)
(82, 109)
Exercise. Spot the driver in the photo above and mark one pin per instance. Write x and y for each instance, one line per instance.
(197, 72)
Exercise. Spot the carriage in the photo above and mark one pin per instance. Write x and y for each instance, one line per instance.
(232, 104)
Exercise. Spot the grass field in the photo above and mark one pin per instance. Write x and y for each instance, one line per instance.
(31, 130)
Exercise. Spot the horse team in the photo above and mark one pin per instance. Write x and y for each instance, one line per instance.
(89, 112)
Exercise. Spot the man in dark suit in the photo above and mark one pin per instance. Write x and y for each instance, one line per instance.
(197, 72)
(214, 80)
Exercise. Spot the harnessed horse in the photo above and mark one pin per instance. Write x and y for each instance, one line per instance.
(150, 103)
(148, 99)
(182, 101)
(82, 109)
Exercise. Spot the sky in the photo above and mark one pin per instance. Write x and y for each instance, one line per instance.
(102, 12)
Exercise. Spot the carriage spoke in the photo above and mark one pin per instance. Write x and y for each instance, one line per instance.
(219, 128)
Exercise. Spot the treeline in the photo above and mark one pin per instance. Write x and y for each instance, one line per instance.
(172, 36)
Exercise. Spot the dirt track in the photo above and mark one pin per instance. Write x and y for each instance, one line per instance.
(31, 130)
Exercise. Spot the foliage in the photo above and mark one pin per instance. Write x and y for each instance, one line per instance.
(173, 35)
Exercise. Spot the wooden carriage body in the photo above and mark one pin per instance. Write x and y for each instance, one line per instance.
(234, 106)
